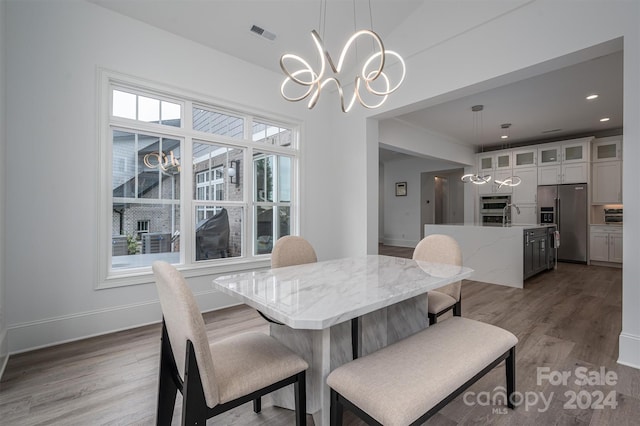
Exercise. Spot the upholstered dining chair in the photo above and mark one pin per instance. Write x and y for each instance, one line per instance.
(441, 249)
(288, 251)
(292, 250)
(215, 377)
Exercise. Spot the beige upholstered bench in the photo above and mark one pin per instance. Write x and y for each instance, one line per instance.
(407, 382)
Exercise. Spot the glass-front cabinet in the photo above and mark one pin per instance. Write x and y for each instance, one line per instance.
(486, 162)
(607, 149)
(549, 155)
(503, 160)
(524, 157)
(576, 151)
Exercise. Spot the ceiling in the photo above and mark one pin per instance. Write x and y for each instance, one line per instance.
(543, 107)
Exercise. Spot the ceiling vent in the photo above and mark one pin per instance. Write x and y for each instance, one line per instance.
(262, 32)
(551, 131)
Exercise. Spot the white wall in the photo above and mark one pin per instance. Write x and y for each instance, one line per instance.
(629, 352)
(3, 320)
(402, 215)
(54, 50)
(479, 56)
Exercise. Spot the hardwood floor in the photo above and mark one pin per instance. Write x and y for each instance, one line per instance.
(564, 319)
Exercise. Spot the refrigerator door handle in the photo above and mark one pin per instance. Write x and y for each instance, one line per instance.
(558, 213)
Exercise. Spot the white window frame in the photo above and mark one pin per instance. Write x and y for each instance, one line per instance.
(107, 81)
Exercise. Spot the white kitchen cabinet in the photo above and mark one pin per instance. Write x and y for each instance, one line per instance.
(524, 157)
(502, 175)
(503, 160)
(565, 173)
(575, 173)
(549, 175)
(576, 150)
(615, 247)
(528, 214)
(527, 191)
(599, 247)
(496, 160)
(605, 243)
(606, 182)
(492, 187)
(549, 155)
(486, 162)
(607, 149)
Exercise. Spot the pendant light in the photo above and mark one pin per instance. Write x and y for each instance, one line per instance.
(372, 72)
(477, 178)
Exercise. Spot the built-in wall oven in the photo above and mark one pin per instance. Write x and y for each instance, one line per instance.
(492, 209)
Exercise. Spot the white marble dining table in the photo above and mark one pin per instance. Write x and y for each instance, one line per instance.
(317, 303)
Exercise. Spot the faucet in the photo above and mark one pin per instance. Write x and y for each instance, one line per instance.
(504, 212)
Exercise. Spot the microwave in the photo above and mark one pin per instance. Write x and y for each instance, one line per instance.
(613, 216)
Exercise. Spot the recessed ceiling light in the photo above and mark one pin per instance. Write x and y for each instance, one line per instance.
(591, 97)
(605, 119)
(504, 137)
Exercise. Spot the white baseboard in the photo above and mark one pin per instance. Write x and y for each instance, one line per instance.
(629, 353)
(399, 242)
(4, 351)
(67, 328)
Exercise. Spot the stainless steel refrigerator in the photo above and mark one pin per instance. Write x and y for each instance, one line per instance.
(566, 206)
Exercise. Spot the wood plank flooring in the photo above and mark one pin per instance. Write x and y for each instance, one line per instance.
(564, 319)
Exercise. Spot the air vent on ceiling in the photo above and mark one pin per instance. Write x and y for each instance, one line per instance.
(551, 131)
(262, 32)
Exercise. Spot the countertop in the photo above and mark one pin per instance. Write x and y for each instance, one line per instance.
(517, 226)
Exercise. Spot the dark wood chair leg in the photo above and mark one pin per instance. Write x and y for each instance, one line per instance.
(257, 405)
(457, 308)
(433, 318)
(510, 366)
(194, 406)
(336, 410)
(300, 391)
(167, 389)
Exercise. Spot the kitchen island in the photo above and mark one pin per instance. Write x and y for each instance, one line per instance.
(498, 254)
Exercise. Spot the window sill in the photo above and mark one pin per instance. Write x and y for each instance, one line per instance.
(145, 276)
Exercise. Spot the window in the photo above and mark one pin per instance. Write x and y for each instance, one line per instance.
(235, 199)
(143, 226)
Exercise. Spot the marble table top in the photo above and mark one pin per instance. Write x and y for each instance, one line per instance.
(318, 295)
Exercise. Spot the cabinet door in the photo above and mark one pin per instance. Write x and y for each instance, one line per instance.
(575, 152)
(549, 175)
(528, 256)
(524, 158)
(607, 149)
(528, 214)
(615, 247)
(502, 175)
(598, 247)
(575, 172)
(485, 162)
(549, 155)
(503, 160)
(527, 191)
(486, 188)
(606, 182)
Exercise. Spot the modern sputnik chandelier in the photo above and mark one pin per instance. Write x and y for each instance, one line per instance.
(372, 71)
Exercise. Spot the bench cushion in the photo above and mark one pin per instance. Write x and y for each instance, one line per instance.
(401, 382)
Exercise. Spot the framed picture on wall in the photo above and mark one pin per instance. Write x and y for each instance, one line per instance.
(401, 189)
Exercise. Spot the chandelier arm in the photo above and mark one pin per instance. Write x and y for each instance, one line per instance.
(389, 90)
